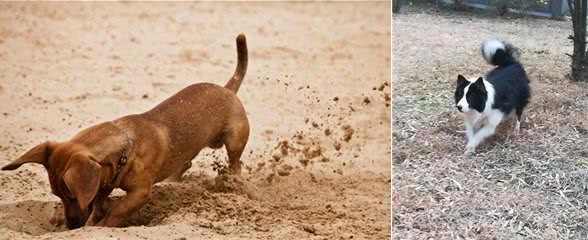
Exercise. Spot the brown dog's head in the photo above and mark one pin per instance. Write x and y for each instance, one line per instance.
(73, 174)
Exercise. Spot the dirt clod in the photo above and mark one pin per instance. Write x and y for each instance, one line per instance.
(366, 100)
(312, 151)
(309, 228)
(337, 146)
(347, 132)
(285, 170)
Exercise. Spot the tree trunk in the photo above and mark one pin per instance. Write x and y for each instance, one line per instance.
(579, 58)
(396, 6)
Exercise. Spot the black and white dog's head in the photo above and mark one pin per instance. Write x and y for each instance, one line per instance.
(470, 95)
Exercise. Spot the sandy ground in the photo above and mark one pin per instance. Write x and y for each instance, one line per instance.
(528, 187)
(316, 93)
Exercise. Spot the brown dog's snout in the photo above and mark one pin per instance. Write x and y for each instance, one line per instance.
(73, 224)
(74, 216)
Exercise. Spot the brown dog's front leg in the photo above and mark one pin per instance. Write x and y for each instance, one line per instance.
(133, 201)
(97, 209)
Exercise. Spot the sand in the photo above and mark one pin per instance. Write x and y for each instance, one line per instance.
(317, 164)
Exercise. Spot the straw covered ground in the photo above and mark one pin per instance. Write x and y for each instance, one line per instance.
(533, 186)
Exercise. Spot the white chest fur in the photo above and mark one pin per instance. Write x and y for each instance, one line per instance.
(475, 119)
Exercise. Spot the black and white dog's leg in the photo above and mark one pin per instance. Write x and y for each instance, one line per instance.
(469, 127)
(519, 119)
(487, 130)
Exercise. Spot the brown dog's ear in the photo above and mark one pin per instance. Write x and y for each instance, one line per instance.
(39, 154)
(82, 178)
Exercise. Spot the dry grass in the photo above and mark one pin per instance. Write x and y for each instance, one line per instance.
(533, 186)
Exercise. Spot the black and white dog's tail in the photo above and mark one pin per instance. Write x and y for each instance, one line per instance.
(499, 53)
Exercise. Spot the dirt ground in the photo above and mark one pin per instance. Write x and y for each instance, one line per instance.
(533, 186)
(316, 92)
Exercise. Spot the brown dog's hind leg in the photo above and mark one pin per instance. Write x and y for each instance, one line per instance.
(235, 140)
(217, 142)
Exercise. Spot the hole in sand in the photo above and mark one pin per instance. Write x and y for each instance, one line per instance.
(207, 198)
(30, 217)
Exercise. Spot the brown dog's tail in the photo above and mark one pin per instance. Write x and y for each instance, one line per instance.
(237, 78)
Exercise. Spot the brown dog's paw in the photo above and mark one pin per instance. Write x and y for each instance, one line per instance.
(94, 218)
(109, 222)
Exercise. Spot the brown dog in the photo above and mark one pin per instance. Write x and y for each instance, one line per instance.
(136, 151)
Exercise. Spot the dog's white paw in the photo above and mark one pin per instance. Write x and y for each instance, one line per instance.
(517, 128)
(469, 150)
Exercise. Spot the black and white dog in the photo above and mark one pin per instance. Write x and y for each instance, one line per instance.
(486, 101)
